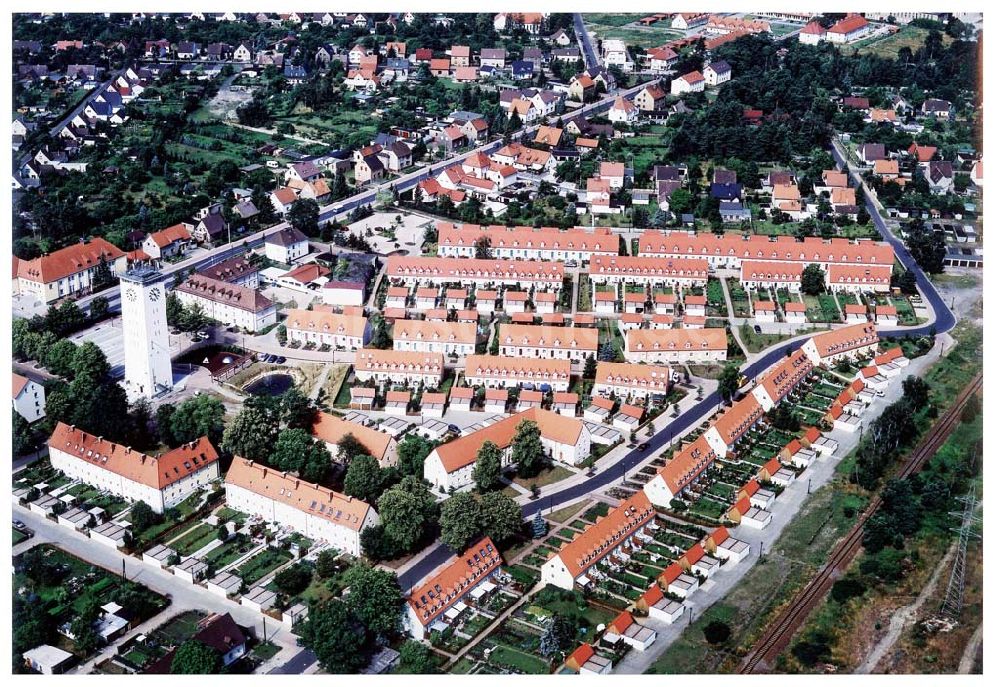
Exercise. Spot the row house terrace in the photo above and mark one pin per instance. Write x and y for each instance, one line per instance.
(677, 346)
(734, 423)
(66, 271)
(495, 371)
(449, 338)
(309, 509)
(531, 341)
(408, 368)
(854, 341)
(474, 272)
(782, 379)
(628, 380)
(728, 251)
(350, 332)
(762, 274)
(527, 243)
(568, 566)
(649, 271)
(859, 278)
(428, 603)
(680, 472)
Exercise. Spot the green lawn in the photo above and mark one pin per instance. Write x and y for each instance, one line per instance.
(17, 536)
(194, 539)
(550, 475)
(262, 564)
(508, 657)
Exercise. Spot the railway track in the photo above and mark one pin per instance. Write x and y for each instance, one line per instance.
(780, 631)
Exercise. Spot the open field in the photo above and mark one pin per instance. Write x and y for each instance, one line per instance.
(911, 37)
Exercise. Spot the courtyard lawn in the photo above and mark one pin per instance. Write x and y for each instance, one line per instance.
(508, 657)
(550, 475)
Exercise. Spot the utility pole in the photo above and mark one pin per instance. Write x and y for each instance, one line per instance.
(951, 606)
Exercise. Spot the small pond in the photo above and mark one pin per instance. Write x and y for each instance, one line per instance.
(271, 385)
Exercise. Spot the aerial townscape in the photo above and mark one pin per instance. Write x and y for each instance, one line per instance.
(497, 343)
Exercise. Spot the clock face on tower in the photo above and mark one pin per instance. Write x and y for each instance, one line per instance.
(154, 294)
(130, 294)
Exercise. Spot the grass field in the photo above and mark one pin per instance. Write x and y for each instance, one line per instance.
(508, 657)
(262, 564)
(194, 539)
(911, 37)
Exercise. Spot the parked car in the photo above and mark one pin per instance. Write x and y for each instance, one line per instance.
(643, 446)
(280, 360)
(756, 328)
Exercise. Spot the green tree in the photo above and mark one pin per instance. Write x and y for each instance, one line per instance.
(23, 440)
(813, 280)
(363, 479)
(484, 249)
(327, 564)
(143, 516)
(294, 579)
(59, 359)
(304, 216)
(90, 364)
(681, 201)
(416, 659)
(254, 430)
(336, 636)
(196, 658)
(99, 308)
(296, 450)
(527, 451)
(411, 452)
(460, 521)
(926, 246)
(403, 518)
(297, 410)
(349, 447)
(729, 382)
(375, 598)
(486, 473)
(500, 517)
(590, 367)
(196, 417)
(164, 415)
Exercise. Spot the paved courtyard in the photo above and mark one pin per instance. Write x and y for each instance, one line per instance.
(409, 231)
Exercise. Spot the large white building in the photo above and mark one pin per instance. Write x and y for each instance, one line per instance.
(309, 509)
(67, 271)
(680, 472)
(144, 331)
(474, 272)
(853, 341)
(286, 245)
(450, 465)
(649, 271)
(160, 481)
(28, 398)
(230, 304)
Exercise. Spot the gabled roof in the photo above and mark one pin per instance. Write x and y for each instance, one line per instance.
(447, 587)
(66, 261)
(289, 236)
(294, 492)
(157, 472)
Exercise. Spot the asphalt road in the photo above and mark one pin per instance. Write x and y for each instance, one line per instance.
(583, 38)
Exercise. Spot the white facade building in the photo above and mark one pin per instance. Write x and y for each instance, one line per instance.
(144, 331)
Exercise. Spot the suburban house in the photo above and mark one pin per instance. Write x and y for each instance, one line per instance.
(168, 242)
(628, 380)
(29, 398)
(855, 341)
(692, 82)
(286, 245)
(718, 73)
(449, 338)
(450, 465)
(159, 481)
(338, 331)
(309, 509)
(680, 472)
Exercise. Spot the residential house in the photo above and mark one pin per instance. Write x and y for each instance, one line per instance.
(286, 245)
(338, 331)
